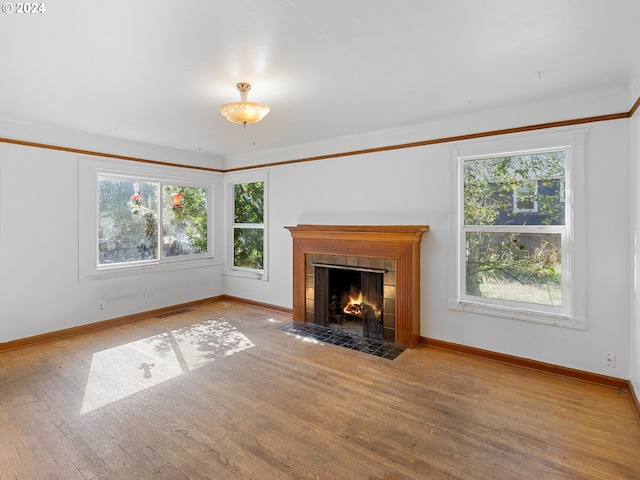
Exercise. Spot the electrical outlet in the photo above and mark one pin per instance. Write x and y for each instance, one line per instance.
(609, 359)
(100, 306)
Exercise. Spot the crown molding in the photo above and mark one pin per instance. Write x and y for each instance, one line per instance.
(422, 143)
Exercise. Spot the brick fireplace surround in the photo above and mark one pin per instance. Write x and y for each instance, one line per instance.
(399, 243)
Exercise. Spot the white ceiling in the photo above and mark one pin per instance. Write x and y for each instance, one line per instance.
(156, 70)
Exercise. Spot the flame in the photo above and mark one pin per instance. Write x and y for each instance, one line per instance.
(357, 303)
(356, 300)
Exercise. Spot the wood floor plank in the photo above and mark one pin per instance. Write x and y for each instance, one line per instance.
(220, 391)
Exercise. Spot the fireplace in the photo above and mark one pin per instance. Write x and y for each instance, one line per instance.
(347, 293)
(380, 264)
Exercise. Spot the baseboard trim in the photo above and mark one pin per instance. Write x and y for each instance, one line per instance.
(112, 322)
(253, 303)
(429, 342)
(92, 327)
(531, 364)
(634, 401)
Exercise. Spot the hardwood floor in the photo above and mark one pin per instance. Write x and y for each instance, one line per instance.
(219, 392)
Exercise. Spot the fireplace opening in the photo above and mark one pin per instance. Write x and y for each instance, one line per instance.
(350, 299)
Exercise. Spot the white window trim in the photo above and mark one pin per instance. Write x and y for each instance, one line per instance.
(231, 179)
(573, 312)
(88, 172)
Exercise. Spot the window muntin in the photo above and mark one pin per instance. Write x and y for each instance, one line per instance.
(133, 226)
(247, 220)
(248, 225)
(514, 254)
(153, 253)
(561, 213)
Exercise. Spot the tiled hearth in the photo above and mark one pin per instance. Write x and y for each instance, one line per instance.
(394, 249)
(379, 348)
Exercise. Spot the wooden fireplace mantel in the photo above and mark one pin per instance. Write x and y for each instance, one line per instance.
(398, 242)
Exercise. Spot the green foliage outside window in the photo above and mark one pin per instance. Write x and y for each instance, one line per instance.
(248, 228)
(187, 224)
(522, 264)
(127, 225)
(128, 221)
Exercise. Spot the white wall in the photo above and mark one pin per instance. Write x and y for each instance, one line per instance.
(411, 186)
(634, 337)
(56, 137)
(40, 290)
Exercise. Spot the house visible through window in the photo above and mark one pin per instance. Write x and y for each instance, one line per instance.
(525, 196)
(519, 237)
(514, 254)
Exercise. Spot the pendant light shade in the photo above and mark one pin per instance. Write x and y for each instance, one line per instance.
(243, 112)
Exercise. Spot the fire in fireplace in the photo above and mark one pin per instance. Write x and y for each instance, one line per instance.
(357, 305)
(349, 298)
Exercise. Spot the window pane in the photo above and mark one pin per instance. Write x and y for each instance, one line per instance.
(518, 267)
(248, 245)
(184, 220)
(515, 190)
(127, 221)
(525, 197)
(249, 202)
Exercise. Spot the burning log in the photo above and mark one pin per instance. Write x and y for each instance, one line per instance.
(358, 306)
(354, 309)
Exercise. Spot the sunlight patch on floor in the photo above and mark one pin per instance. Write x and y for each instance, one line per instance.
(125, 370)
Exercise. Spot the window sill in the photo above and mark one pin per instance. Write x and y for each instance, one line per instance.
(126, 270)
(546, 318)
(250, 274)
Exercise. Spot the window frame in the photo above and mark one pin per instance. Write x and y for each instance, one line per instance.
(89, 172)
(572, 313)
(232, 179)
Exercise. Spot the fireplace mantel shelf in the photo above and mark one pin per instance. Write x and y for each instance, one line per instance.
(370, 232)
(398, 242)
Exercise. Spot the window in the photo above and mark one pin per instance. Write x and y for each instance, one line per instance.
(247, 211)
(516, 244)
(135, 217)
(149, 220)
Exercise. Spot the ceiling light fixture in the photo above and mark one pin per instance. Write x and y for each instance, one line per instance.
(243, 112)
